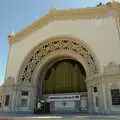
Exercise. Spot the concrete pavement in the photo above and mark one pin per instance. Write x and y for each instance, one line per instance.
(28, 116)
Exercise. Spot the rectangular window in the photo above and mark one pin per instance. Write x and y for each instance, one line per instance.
(97, 101)
(7, 98)
(24, 102)
(115, 93)
(24, 93)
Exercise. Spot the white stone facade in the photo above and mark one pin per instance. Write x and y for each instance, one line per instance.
(92, 40)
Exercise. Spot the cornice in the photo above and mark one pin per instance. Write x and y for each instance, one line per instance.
(73, 14)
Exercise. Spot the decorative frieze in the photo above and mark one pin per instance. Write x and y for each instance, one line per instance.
(112, 68)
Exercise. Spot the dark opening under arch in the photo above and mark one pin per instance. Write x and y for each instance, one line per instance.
(65, 76)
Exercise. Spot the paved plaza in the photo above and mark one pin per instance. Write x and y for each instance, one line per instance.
(28, 116)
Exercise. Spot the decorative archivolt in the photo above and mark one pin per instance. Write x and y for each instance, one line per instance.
(52, 45)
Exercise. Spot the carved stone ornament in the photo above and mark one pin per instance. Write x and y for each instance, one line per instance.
(112, 68)
(56, 44)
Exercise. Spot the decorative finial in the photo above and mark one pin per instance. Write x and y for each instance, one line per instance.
(12, 33)
(10, 37)
(113, 1)
(53, 5)
(100, 4)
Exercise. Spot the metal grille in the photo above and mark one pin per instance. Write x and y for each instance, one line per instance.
(115, 93)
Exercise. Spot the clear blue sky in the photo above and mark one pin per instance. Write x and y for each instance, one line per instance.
(17, 14)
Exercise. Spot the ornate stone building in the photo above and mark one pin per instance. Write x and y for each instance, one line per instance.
(68, 58)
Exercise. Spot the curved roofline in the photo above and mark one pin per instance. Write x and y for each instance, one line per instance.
(54, 14)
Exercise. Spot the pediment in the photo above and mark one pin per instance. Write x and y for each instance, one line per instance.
(54, 15)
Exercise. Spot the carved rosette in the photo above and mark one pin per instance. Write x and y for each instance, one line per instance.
(51, 45)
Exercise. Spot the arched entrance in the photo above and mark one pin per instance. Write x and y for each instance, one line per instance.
(64, 86)
(59, 54)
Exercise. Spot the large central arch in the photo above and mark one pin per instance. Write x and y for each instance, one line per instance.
(56, 44)
(33, 69)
